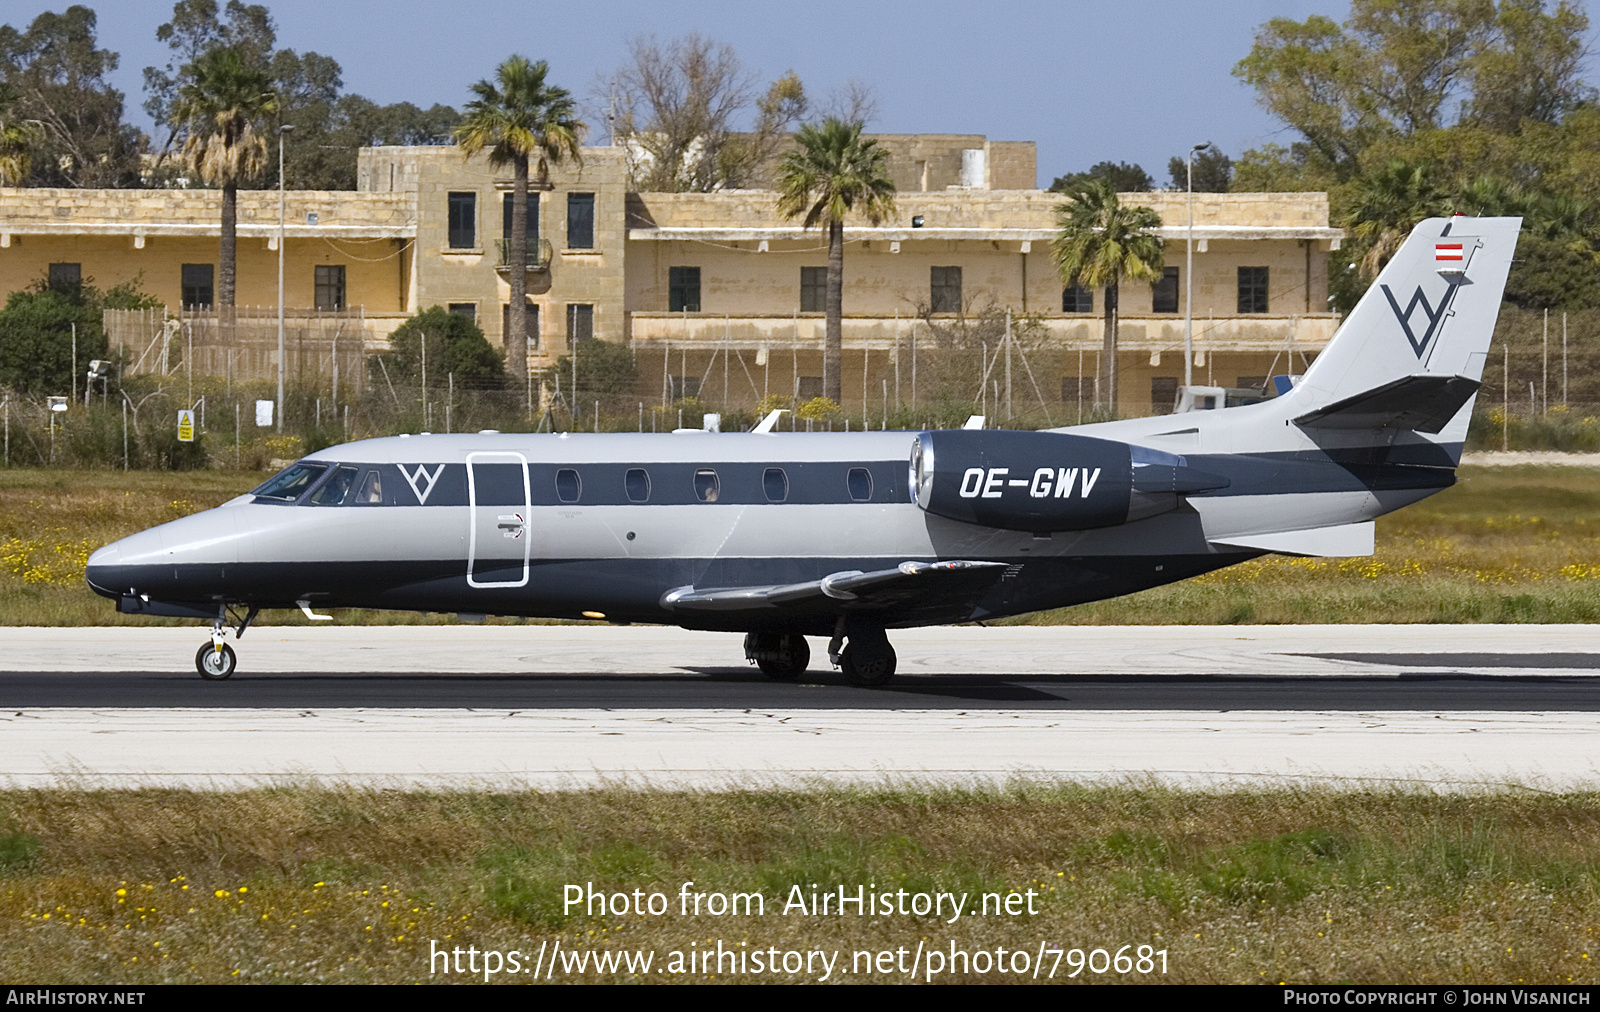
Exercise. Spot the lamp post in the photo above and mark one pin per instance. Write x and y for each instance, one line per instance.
(1188, 272)
(283, 132)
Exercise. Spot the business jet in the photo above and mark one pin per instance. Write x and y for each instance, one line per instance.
(787, 535)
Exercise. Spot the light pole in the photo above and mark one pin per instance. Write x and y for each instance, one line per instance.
(283, 132)
(1188, 272)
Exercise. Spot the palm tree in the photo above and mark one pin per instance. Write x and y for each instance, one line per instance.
(518, 117)
(220, 107)
(832, 173)
(1387, 204)
(1099, 242)
(18, 138)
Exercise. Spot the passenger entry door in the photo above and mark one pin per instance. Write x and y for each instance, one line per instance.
(498, 501)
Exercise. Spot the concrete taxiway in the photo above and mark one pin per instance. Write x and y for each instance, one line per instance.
(479, 707)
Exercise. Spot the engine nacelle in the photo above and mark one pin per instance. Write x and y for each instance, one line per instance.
(1046, 481)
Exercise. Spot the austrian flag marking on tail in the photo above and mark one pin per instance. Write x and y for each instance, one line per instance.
(1448, 252)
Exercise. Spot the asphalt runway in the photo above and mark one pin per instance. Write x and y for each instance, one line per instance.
(1448, 707)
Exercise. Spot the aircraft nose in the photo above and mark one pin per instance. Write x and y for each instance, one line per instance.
(104, 571)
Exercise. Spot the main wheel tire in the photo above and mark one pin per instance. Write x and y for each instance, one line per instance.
(785, 658)
(214, 665)
(868, 662)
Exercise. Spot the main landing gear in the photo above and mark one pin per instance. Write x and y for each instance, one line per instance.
(869, 659)
(216, 660)
(782, 657)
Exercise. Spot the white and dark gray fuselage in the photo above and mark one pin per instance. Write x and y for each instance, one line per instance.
(622, 525)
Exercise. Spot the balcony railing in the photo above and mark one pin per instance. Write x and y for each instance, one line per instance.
(538, 258)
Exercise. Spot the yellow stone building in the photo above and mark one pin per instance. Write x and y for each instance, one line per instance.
(708, 286)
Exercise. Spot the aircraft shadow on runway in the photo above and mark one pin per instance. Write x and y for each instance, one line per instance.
(1436, 684)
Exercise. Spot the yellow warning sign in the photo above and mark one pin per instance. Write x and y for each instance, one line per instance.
(186, 426)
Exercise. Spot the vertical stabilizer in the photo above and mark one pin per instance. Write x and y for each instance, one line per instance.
(1411, 355)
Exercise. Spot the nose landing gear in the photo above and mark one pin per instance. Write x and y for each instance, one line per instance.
(216, 660)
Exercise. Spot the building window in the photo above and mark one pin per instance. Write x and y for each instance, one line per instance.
(1251, 383)
(1077, 299)
(580, 323)
(531, 322)
(1252, 289)
(463, 220)
(467, 309)
(683, 289)
(533, 221)
(945, 293)
(197, 285)
(580, 221)
(1163, 394)
(330, 286)
(680, 387)
(808, 388)
(813, 289)
(1077, 388)
(66, 277)
(1164, 293)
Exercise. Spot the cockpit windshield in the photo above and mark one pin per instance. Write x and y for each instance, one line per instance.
(291, 483)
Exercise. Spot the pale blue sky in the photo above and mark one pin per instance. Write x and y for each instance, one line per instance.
(1130, 81)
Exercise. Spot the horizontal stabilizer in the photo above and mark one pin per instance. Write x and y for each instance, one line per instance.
(1418, 403)
(864, 589)
(1343, 540)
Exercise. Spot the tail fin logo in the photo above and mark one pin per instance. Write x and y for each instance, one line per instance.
(1434, 316)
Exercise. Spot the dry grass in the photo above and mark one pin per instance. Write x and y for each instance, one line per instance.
(1506, 544)
(352, 886)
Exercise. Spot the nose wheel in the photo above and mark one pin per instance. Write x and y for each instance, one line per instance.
(215, 661)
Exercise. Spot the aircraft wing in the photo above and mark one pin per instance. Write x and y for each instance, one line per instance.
(879, 589)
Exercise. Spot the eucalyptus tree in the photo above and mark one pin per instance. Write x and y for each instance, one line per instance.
(1100, 241)
(831, 174)
(519, 118)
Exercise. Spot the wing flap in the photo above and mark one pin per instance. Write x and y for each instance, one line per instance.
(853, 588)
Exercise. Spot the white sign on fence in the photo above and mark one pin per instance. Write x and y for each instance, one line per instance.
(185, 426)
(263, 414)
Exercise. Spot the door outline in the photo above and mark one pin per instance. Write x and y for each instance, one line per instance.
(492, 513)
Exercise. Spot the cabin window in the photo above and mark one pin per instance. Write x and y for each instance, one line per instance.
(860, 484)
(637, 482)
(334, 490)
(775, 483)
(568, 485)
(706, 485)
(292, 482)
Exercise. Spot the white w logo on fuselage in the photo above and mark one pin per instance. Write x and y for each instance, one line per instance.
(427, 480)
(1433, 315)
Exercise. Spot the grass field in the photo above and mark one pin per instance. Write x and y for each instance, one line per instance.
(359, 886)
(1506, 544)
